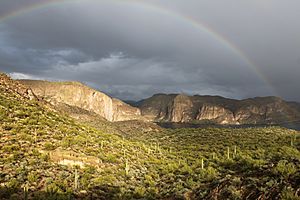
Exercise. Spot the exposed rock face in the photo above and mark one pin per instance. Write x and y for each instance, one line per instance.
(81, 96)
(156, 107)
(15, 87)
(181, 108)
(217, 113)
(123, 111)
(161, 107)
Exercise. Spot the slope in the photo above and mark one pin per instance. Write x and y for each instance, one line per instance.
(41, 151)
(45, 155)
(81, 96)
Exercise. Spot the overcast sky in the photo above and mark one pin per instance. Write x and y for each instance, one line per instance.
(134, 49)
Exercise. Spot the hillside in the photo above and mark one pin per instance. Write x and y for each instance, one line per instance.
(78, 95)
(46, 155)
(43, 152)
(197, 109)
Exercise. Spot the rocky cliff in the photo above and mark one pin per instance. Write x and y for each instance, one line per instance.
(216, 113)
(166, 108)
(81, 96)
(182, 108)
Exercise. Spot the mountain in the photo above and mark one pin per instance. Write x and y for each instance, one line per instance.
(220, 110)
(47, 155)
(76, 94)
(84, 101)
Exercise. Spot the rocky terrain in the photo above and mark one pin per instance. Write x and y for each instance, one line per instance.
(182, 108)
(11, 86)
(78, 95)
(177, 108)
(47, 155)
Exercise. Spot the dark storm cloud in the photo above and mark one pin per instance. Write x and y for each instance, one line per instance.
(132, 51)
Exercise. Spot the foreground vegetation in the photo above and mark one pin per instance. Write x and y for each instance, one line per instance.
(44, 155)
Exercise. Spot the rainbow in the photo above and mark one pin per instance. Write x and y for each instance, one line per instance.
(200, 26)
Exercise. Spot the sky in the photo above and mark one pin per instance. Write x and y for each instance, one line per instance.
(135, 48)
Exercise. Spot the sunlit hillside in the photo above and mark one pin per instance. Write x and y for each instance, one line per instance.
(45, 155)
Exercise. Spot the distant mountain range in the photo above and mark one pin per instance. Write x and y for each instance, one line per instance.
(219, 110)
(169, 107)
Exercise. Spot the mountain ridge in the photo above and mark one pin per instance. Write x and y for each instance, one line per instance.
(178, 108)
(47, 155)
(221, 110)
(84, 97)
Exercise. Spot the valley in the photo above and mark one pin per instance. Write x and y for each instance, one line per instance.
(47, 154)
(170, 125)
(149, 100)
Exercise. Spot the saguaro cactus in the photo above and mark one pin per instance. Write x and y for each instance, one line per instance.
(126, 168)
(235, 150)
(76, 180)
(293, 140)
(25, 192)
(228, 153)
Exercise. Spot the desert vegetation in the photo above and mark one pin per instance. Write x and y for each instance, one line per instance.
(46, 155)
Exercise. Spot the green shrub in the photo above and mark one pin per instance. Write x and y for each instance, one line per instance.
(49, 146)
(285, 168)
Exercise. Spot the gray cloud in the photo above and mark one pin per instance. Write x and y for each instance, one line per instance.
(131, 51)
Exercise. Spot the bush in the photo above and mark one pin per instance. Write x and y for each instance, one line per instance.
(285, 169)
(48, 146)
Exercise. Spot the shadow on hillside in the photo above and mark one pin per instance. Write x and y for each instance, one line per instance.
(172, 125)
(100, 192)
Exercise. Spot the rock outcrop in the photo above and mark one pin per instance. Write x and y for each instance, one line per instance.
(217, 113)
(182, 108)
(162, 107)
(15, 87)
(81, 96)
